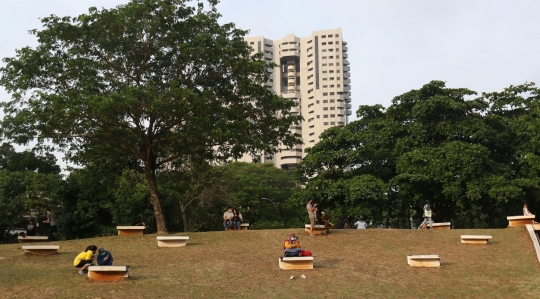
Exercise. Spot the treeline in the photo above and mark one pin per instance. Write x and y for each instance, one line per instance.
(93, 200)
(475, 158)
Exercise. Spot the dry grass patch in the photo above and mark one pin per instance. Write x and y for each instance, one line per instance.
(348, 264)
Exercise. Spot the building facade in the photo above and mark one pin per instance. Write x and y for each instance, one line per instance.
(314, 72)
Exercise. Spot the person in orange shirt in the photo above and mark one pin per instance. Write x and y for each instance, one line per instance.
(291, 247)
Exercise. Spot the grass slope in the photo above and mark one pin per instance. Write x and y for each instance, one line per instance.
(348, 264)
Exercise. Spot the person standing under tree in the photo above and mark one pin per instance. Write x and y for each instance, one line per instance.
(427, 216)
(311, 208)
(51, 219)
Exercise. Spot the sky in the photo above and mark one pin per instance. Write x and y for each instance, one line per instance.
(394, 45)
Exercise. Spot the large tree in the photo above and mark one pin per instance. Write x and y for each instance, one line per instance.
(160, 80)
(475, 159)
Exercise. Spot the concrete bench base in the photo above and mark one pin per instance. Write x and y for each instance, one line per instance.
(130, 230)
(41, 249)
(433, 260)
(243, 226)
(108, 273)
(32, 239)
(292, 263)
(514, 221)
(475, 239)
(442, 225)
(172, 241)
(317, 229)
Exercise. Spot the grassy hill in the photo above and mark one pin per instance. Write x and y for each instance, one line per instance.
(348, 264)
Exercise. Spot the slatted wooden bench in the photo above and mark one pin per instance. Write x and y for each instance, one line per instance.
(108, 273)
(514, 221)
(318, 229)
(130, 230)
(441, 225)
(172, 241)
(475, 239)
(32, 239)
(432, 260)
(243, 226)
(297, 262)
(41, 249)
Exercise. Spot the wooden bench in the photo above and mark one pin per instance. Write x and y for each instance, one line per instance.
(130, 230)
(475, 239)
(108, 273)
(41, 249)
(32, 239)
(441, 226)
(514, 221)
(299, 262)
(432, 260)
(172, 241)
(243, 226)
(318, 229)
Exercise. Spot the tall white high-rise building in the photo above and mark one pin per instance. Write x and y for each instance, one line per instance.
(314, 72)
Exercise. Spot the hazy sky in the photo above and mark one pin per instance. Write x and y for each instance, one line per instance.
(394, 46)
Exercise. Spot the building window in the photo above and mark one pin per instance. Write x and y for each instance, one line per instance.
(324, 57)
(330, 50)
(324, 79)
(330, 43)
(325, 116)
(332, 108)
(337, 56)
(332, 101)
(331, 78)
(337, 63)
(318, 116)
(326, 123)
(312, 126)
(332, 93)
(309, 42)
(251, 43)
(337, 42)
(324, 64)
(331, 86)
(324, 36)
(325, 108)
(324, 43)
(311, 134)
(325, 94)
(331, 57)
(324, 50)
(333, 123)
(311, 98)
(325, 101)
(330, 35)
(331, 71)
(325, 86)
(332, 115)
(337, 35)
(317, 102)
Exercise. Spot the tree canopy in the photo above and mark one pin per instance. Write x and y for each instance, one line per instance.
(475, 158)
(159, 80)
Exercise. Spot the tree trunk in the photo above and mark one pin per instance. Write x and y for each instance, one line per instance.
(184, 217)
(154, 198)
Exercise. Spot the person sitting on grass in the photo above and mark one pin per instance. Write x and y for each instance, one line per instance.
(104, 258)
(84, 259)
(291, 247)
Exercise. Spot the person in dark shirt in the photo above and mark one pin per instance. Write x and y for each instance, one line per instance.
(51, 219)
(104, 257)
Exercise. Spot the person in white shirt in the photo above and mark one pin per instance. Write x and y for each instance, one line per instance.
(227, 218)
(526, 211)
(360, 224)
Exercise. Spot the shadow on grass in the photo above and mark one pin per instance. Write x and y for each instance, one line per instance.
(444, 264)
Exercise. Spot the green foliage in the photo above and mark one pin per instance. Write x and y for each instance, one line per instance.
(476, 160)
(27, 183)
(157, 80)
